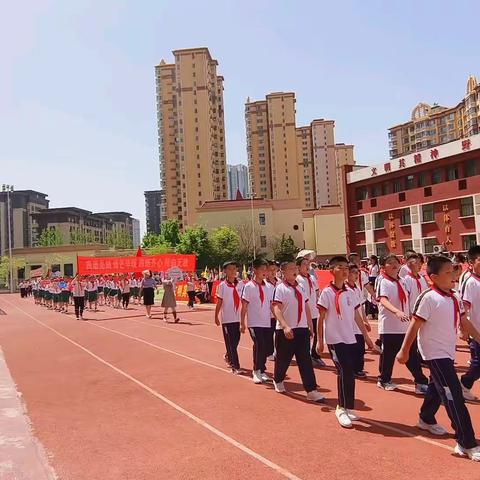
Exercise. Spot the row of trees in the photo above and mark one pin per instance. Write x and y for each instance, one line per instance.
(51, 237)
(214, 248)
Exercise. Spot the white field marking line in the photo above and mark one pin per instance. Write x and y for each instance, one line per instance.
(277, 468)
(364, 419)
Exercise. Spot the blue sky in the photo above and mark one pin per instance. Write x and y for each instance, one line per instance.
(77, 88)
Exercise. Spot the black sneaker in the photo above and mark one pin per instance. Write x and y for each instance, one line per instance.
(360, 374)
(318, 362)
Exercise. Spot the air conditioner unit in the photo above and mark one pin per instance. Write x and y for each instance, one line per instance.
(437, 249)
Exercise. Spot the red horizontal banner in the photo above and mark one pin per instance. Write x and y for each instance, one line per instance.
(156, 263)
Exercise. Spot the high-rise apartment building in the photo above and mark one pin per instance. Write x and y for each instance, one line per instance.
(272, 146)
(434, 125)
(154, 210)
(306, 167)
(237, 176)
(191, 133)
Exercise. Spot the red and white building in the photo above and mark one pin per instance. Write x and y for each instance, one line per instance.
(428, 201)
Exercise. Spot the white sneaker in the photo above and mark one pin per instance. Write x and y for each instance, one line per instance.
(343, 418)
(315, 396)
(435, 429)
(388, 386)
(421, 389)
(352, 416)
(378, 348)
(271, 358)
(265, 377)
(257, 376)
(468, 395)
(279, 387)
(471, 453)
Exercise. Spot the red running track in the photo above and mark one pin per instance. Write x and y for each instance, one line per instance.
(125, 397)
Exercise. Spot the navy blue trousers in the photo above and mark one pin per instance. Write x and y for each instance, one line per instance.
(473, 373)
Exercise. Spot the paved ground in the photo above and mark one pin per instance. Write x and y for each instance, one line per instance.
(125, 397)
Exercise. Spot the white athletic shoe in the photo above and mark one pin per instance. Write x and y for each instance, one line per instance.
(388, 386)
(343, 418)
(257, 376)
(471, 453)
(315, 396)
(421, 389)
(352, 416)
(435, 429)
(468, 395)
(265, 377)
(279, 387)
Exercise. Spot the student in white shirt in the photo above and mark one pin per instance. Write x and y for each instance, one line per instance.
(257, 309)
(78, 290)
(272, 279)
(415, 283)
(294, 328)
(437, 315)
(227, 313)
(339, 310)
(394, 315)
(405, 268)
(471, 299)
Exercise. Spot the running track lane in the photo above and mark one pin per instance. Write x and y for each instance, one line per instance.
(226, 402)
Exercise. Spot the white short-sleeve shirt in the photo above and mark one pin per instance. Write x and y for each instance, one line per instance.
(284, 296)
(258, 313)
(471, 296)
(463, 278)
(312, 293)
(388, 322)
(361, 300)
(230, 313)
(414, 286)
(338, 325)
(404, 271)
(437, 336)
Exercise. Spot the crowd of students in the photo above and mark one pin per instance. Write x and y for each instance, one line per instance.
(421, 314)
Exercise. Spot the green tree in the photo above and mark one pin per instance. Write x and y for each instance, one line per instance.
(170, 231)
(82, 238)
(284, 249)
(119, 239)
(50, 237)
(195, 240)
(5, 268)
(225, 244)
(150, 240)
(158, 249)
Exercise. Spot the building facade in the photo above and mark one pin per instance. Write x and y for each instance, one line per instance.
(435, 125)
(154, 210)
(428, 201)
(23, 226)
(191, 133)
(237, 181)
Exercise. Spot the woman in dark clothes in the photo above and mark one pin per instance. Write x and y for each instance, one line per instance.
(147, 286)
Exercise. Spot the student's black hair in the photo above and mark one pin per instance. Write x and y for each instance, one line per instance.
(336, 260)
(299, 261)
(374, 257)
(386, 258)
(230, 262)
(284, 265)
(435, 264)
(273, 262)
(473, 253)
(408, 252)
(421, 257)
(353, 254)
(412, 255)
(353, 266)
(259, 262)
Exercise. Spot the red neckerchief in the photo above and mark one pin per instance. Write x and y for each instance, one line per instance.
(260, 290)
(299, 298)
(236, 296)
(310, 283)
(337, 292)
(456, 305)
(401, 291)
(417, 279)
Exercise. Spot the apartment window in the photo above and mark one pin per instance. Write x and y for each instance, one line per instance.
(378, 220)
(436, 176)
(470, 168)
(469, 241)
(452, 173)
(263, 241)
(405, 216)
(361, 224)
(409, 182)
(261, 219)
(407, 245)
(466, 207)
(428, 213)
(381, 249)
(428, 244)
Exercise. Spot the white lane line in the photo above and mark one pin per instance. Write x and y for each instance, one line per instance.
(277, 468)
(364, 419)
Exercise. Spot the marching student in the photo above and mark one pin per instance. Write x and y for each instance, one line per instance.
(292, 336)
(92, 292)
(339, 310)
(471, 300)
(405, 268)
(352, 284)
(64, 295)
(100, 293)
(78, 290)
(272, 279)
(125, 283)
(228, 307)
(310, 285)
(147, 291)
(133, 282)
(257, 308)
(415, 283)
(436, 317)
(394, 315)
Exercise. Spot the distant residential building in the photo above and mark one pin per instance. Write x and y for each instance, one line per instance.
(432, 125)
(136, 233)
(23, 227)
(237, 181)
(154, 210)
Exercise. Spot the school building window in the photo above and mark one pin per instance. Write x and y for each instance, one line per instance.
(378, 220)
(422, 179)
(452, 173)
(68, 269)
(466, 207)
(409, 182)
(381, 249)
(428, 244)
(405, 216)
(436, 176)
(261, 219)
(427, 213)
(407, 245)
(470, 168)
(361, 224)
(469, 241)
(362, 251)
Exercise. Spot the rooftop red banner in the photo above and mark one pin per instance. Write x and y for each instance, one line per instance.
(156, 263)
